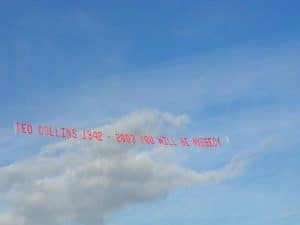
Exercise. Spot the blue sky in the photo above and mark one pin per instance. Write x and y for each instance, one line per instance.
(231, 66)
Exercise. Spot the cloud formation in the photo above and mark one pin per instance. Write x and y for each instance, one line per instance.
(84, 182)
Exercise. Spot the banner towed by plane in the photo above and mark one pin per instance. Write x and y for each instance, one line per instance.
(124, 138)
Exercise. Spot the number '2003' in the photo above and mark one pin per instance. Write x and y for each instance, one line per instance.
(125, 138)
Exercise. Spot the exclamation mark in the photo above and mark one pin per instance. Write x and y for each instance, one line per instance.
(227, 139)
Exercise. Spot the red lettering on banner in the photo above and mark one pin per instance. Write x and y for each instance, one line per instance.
(73, 133)
(125, 138)
(166, 140)
(206, 142)
(24, 128)
(184, 142)
(147, 139)
(68, 133)
(44, 130)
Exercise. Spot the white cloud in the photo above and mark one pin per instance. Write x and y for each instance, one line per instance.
(85, 182)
